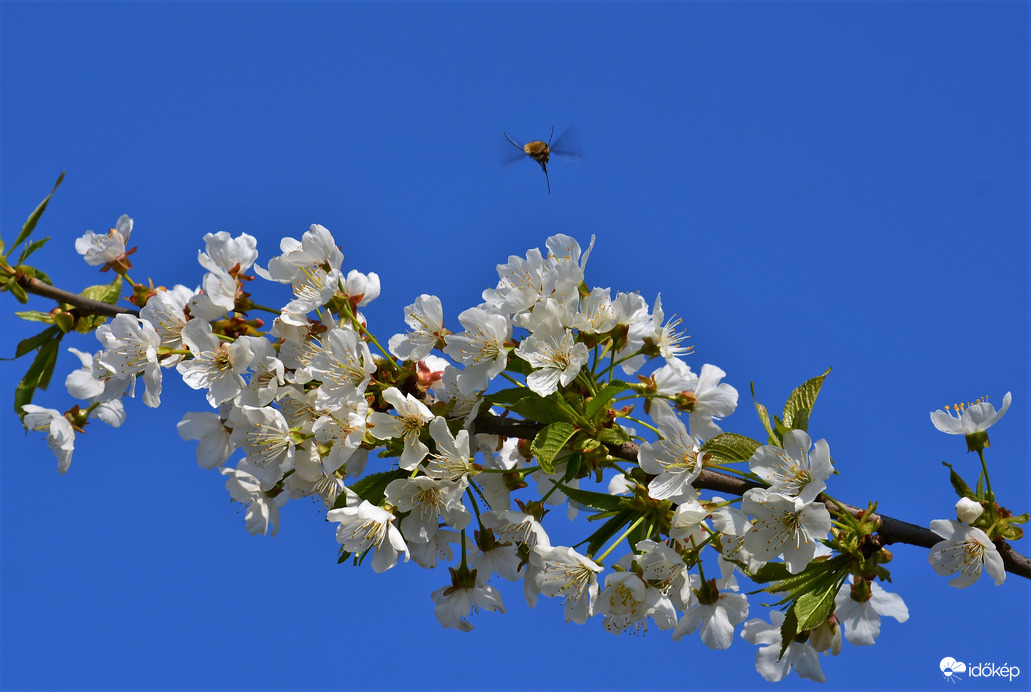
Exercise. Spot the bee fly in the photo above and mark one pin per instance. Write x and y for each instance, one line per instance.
(565, 145)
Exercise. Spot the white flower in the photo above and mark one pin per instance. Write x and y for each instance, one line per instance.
(516, 527)
(427, 502)
(311, 267)
(216, 366)
(217, 298)
(101, 249)
(84, 384)
(674, 461)
(965, 550)
(165, 310)
(664, 568)
(366, 527)
(666, 336)
(453, 604)
(310, 479)
(967, 510)
(361, 289)
(555, 356)
(627, 601)
(971, 420)
(210, 432)
(784, 526)
(267, 376)
(130, 348)
(862, 620)
(262, 510)
(768, 661)
(792, 470)
(425, 317)
(686, 527)
(343, 428)
(344, 366)
(564, 572)
(713, 399)
(228, 253)
(596, 314)
(437, 548)
(452, 460)
(965, 419)
(732, 525)
(564, 268)
(520, 285)
(632, 310)
(717, 620)
(60, 434)
(264, 436)
(480, 348)
(412, 416)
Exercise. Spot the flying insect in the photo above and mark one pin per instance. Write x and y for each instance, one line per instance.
(566, 145)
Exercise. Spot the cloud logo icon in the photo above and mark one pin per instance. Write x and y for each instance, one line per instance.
(951, 667)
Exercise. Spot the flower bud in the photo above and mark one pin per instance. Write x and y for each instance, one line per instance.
(968, 510)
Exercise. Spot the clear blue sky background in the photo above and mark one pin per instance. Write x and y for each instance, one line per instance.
(807, 184)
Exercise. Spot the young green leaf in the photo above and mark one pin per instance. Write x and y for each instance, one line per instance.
(38, 374)
(728, 448)
(802, 399)
(549, 442)
(33, 219)
(598, 405)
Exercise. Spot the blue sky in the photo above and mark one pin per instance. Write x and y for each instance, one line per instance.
(807, 184)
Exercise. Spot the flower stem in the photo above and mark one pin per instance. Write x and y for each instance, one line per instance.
(619, 540)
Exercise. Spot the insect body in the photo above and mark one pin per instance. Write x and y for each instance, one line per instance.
(541, 152)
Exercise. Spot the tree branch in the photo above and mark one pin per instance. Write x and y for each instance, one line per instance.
(83, 305)
(891, 530)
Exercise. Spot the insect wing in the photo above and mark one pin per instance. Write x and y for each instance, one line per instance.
(511, 151)
(567, 144)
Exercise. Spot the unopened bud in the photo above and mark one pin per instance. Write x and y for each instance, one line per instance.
(968, 510)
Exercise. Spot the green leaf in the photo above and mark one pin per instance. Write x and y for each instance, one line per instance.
(597, 406)
(18, 292)
(36, 316)
(32, 247)
(572, 466)
(788, 631)
(549, 442)
(105, 293)
(958, 484)
(509, 396)
(542, 410)
(34, 342)
(613, 436)
(812, 608)
(802, 399)
(764, 418)
(730, 448)
(607, 530)
(771, 571)
(371, 488)
(518, 366)
(588, 498)
(1018, 519)
(1012, 533)
(33, 219)
(38, 374)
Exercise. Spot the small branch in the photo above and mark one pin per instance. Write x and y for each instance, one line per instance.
(83, 305)
(891, 531)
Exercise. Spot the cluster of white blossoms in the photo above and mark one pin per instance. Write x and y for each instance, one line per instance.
(388, 440)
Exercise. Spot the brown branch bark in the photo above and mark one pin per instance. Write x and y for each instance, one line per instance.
(83, 305)
(891, 531)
